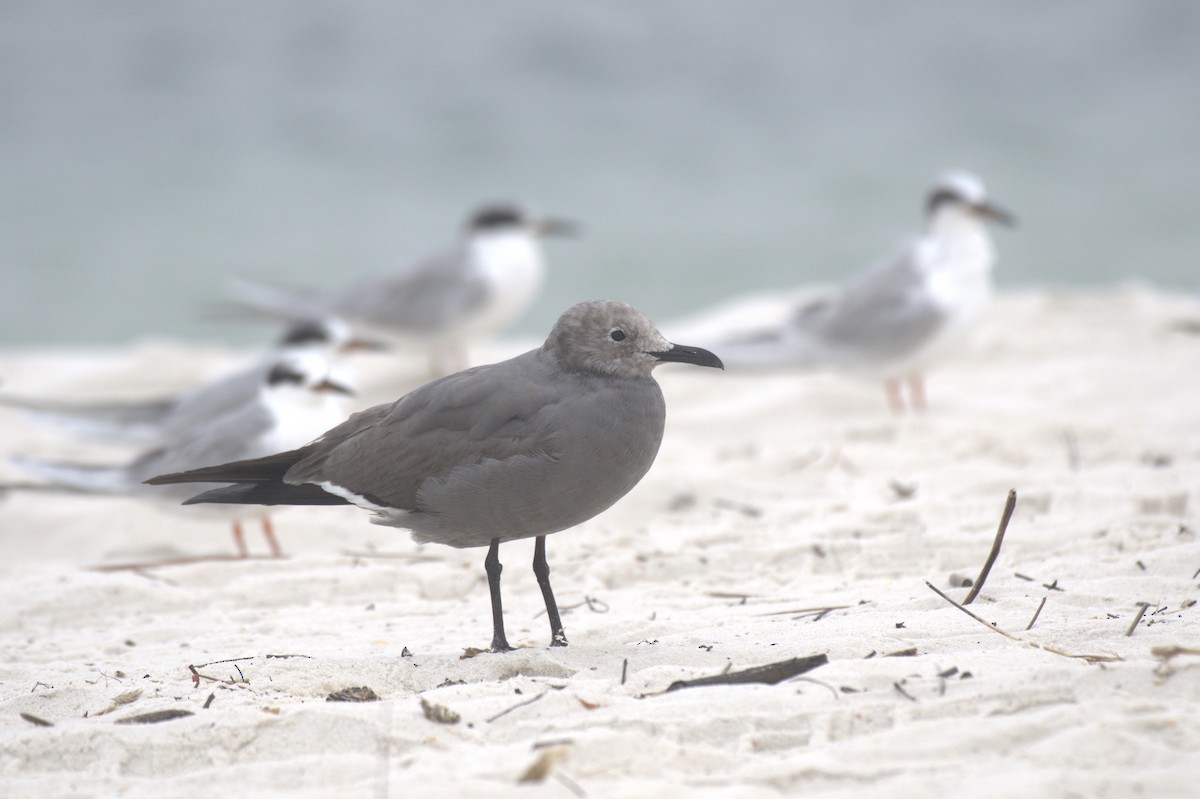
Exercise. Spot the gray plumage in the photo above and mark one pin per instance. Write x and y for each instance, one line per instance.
(293, 402)
(901, 314)
(171, 419)
(474, 287)
(878, 317)
(523, 448)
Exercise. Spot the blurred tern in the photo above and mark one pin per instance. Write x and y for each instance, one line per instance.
(171, 418)
(903, 313)
(295, 402)
(477, 286)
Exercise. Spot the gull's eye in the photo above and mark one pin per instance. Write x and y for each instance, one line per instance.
(618, 335)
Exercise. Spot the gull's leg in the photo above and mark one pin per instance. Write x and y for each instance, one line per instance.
(916, 390)
(891, 387)
(491, 565)
(541, 570)
(269, 534)
(239, 539)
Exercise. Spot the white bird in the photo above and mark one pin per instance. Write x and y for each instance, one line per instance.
(296, 400)
(900, 315)
(165, 419)
(477, 286)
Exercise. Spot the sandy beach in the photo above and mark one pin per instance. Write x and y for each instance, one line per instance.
(788, 515)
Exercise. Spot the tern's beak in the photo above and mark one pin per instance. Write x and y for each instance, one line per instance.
(328, 385)
(364, 345)
(990, 210)
(693, 355)
(553, 226)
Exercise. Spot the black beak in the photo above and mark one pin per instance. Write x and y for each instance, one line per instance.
(552, 226)
(332, 387)
(693, 355)
(990, 210)
(364, 345)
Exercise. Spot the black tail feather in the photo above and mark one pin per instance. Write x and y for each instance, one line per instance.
(268, 494)
(255, 470)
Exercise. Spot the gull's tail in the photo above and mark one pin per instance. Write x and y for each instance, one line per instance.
(116, 421)
(257, 481)
(77, 476)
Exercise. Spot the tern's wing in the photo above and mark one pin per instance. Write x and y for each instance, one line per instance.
(430, 296)
(205, 404)
(132, 421)
(237, 435)
(886, 311)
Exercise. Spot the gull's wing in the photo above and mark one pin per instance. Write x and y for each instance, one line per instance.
(495, 414)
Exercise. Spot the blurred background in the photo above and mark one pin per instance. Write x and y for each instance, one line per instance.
(148, 150)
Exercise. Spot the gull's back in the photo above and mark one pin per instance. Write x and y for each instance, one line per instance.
(512, 450)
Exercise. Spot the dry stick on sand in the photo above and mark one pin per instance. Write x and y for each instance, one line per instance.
(197, 677)
(529, 701)
(1036, 613)
(1034, 644)
(1142, 607)
(1009, 505)
(1163, 653)
(770, 674)
(820, 613)
(183, 560)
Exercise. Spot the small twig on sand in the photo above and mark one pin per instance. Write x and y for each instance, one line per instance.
(820, 613)
(770, 674)
(197, 677)
(36, 721)
(730, 595)
(184, 560)
(226, 660)
(529, 701)
(410, 557)
(590, 602)
(741, 507)
(1009, 505)
(900, 690)
(155, 717)
(1036, 613)
(1143, 607)
(624, 669)
(1164, 653)
(1034, 644)
(1072, 444)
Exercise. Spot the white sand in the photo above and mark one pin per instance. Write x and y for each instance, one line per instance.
(777, 489)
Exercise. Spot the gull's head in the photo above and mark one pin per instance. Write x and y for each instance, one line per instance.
(302, 377)
(327, 335)
(618, 340)
(499, 218)
(961, 194)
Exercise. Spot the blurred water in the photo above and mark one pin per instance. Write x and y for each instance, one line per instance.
(147, 149)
